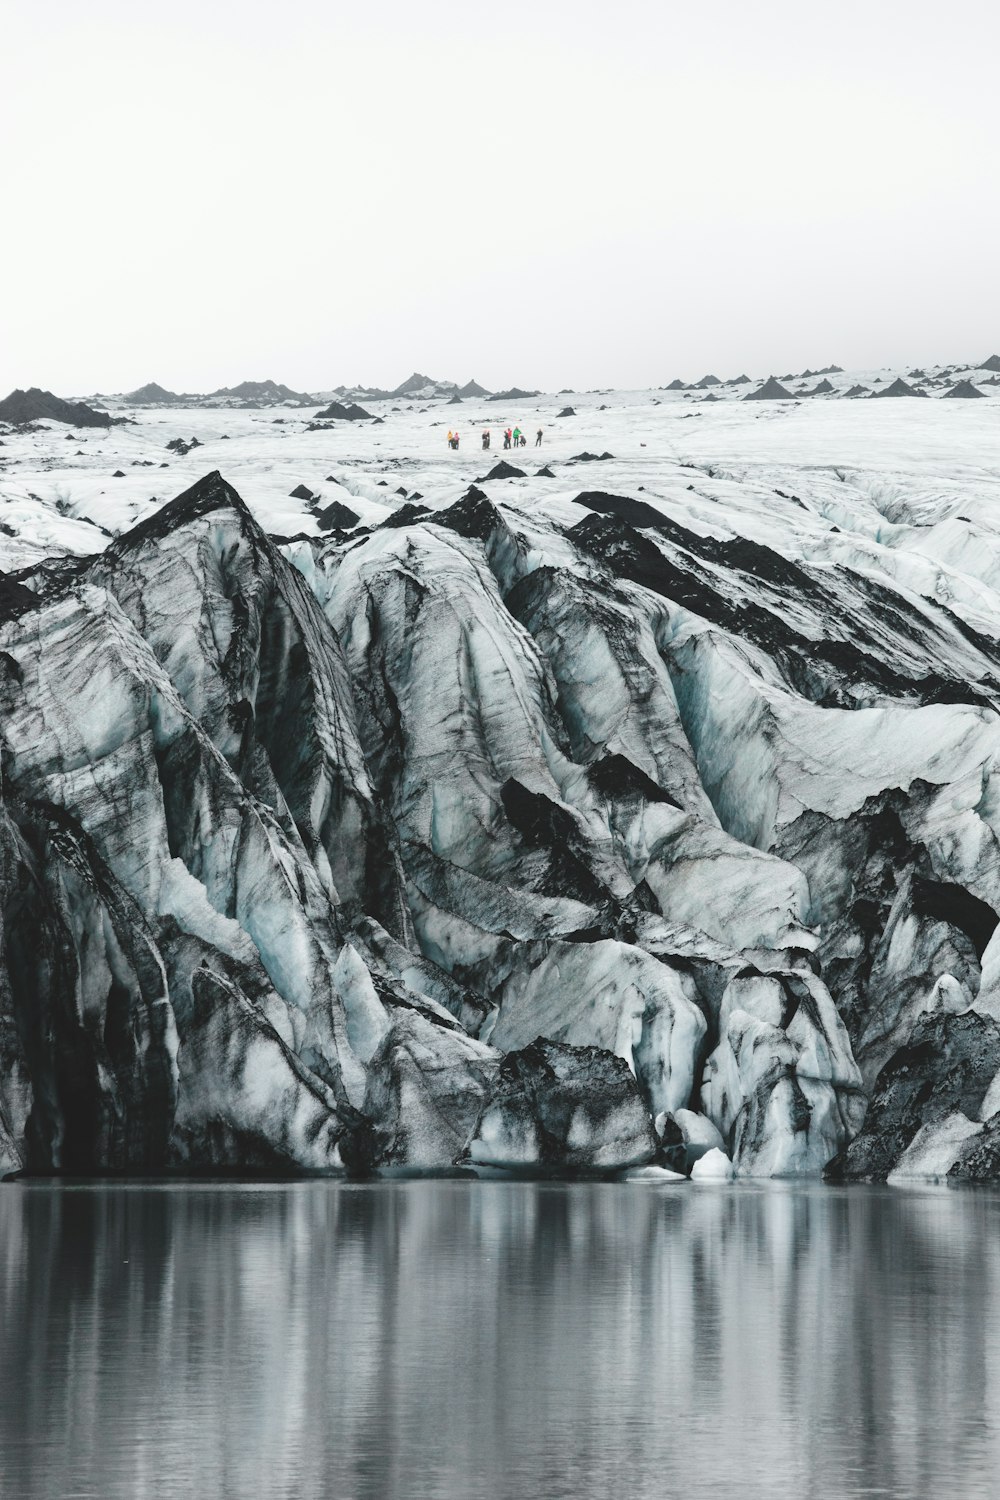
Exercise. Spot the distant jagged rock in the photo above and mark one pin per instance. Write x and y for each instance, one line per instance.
(899, 387)
(153, 395)
(963, 390)
(455, 400)
(706, 381)
(259, 393)
(302, 492)
(771, 390)
(993, 363)
(337, 412)
(514, 394)
(857, 390)
(676, 385)
(254, 393)
(473, 389)
(567, 411)
(739, 380)
(181, 447)
(364, 393)
(822, 388)
(414, 384)
(34, 405)
(425, 387)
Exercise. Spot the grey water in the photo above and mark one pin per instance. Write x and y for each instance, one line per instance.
(498, 1341)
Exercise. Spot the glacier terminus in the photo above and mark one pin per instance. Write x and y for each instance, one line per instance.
(628, 809)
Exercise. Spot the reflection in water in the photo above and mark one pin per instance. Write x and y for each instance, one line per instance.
(495, 1341)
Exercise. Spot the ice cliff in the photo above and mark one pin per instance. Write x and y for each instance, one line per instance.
(581, 840)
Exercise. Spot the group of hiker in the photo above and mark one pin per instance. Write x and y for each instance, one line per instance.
(513, 438)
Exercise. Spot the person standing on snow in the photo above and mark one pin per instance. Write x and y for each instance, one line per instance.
(486, 438)
(538, 438)
(517, 437)
(506, 437)
(449, 437)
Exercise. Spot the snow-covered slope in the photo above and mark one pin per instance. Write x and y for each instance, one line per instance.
(680, 758)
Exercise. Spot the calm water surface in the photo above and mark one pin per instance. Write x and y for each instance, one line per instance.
(498, 1341)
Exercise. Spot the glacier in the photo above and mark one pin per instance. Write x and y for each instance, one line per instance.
(637, 817)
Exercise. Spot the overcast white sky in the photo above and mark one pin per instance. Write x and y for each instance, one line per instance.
(558, 192)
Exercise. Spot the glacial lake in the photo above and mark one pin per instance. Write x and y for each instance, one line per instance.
(454, 1340)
